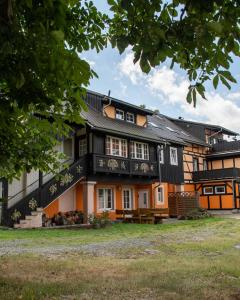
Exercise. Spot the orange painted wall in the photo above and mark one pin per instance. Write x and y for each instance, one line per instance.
(110, 111)
(79, 197)
(189, 188)
(214, 200)
(52, 209)
(141, 120)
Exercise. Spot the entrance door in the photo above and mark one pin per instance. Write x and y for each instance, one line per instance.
(143, 199)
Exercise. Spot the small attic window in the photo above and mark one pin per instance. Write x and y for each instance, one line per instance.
(169, 128)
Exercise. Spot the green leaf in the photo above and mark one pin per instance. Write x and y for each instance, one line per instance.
(201, 90)
(215, 81)
(194, 96)
(224, 81)
(189, 95)
(215, 26)
(20, 81)
(228, 76)
(144, 64)
(57, 35)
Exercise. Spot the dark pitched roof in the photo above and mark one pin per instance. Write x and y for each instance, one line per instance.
(171, 131)
(205, 125)
(105, 99)
(113, 126)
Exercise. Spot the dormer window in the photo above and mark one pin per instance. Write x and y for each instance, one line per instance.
(119, 114)
(130, 117)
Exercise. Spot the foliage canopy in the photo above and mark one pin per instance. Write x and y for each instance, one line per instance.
(42, 73)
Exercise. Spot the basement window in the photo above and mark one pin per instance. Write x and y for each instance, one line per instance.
(208, 190)
(220, 189)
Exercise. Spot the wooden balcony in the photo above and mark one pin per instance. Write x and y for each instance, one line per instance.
(124, 166)
(228, 173)
(223, 146)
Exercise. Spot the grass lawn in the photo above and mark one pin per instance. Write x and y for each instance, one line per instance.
(188, 260)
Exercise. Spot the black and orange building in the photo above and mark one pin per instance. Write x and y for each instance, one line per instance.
(127, 157)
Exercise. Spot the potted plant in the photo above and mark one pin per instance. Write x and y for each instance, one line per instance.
(16, 215)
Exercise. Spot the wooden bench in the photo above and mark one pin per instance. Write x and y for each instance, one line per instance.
(124, 214)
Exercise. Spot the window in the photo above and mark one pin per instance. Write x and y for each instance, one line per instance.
(204, 165)
(220, 189)
(160, 195)
(130, 117)
(119, 114)
(208, 190)
(82, 147)
(161, 155)
(139, 150)
(195, 164)
(127, 198)
(116, 146)
(68, 147)
(105, 199)
(173, 156)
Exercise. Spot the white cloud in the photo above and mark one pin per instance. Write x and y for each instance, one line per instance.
(169, 84)
(129, 69)
(171, 88)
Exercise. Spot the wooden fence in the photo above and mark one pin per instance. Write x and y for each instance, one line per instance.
(181, 203)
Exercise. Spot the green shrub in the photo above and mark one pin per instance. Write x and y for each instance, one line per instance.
(196, 214)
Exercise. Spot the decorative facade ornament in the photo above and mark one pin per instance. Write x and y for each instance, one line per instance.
(152, 167)
(144, 167)
(136, 167)
(123, 165)
(101, 163)
(53, 189)
(79, 169)
(66, 179)
(32, 204)
(112, 164)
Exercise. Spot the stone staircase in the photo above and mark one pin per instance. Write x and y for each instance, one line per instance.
(31, 221)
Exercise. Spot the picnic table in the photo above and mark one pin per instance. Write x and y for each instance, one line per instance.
(143, 215)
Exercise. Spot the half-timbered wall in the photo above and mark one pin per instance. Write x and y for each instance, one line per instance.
(189, 153)
(232, 162)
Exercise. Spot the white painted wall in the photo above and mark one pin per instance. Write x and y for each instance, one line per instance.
(67, 202)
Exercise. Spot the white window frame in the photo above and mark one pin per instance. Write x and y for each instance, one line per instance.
(158, 193)
(144, 150)
(120, 112)
(105, 208)
(122, 143)
(205, 166)
(207, 193)
(131, 193)
(173, 162)
(195, 159)
(132, 116)
(220, 186)
(82, 146)
(161, 155)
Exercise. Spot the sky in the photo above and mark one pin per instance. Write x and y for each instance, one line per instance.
(163, 89)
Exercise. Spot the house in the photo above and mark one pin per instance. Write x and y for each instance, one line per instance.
(127, 157)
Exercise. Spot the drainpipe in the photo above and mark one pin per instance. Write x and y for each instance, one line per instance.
(109, 103)
(159, 147)
(234, 194)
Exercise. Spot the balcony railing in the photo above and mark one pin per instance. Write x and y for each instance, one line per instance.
(216, 174)
(117, 165)
(223, 146)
